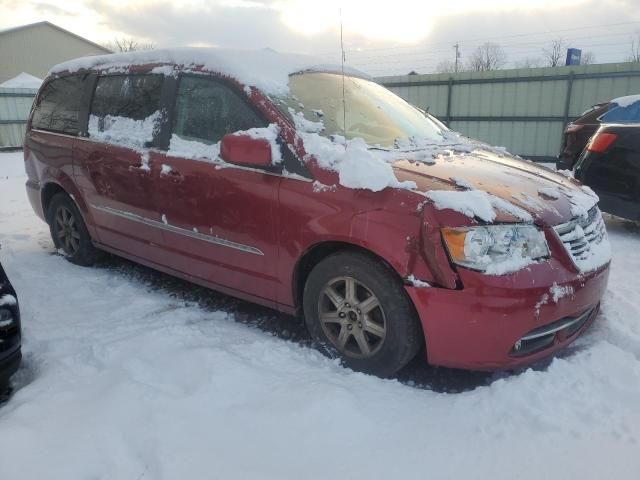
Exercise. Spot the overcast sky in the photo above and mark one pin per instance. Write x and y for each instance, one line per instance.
(381, 37)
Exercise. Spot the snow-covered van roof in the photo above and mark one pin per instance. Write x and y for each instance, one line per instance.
(265, 69)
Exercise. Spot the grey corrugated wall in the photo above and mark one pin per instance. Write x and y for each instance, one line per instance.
(524, 110)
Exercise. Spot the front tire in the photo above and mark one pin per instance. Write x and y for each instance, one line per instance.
(69, 232)
(358, 311)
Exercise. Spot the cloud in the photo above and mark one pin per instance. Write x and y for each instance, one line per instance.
(380, 37)
(49, 9)
(230, 24)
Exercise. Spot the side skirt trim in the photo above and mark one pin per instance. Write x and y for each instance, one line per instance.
(180, 231)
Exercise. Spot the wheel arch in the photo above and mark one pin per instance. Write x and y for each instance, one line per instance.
(66, 186)
(318, 252)
(49, 190)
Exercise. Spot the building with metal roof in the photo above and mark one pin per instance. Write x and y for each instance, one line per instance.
(27, 53)
(36, 47)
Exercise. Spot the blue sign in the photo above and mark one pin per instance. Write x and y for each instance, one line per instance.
(573, 56)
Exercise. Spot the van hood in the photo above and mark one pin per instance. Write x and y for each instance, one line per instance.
(549, 198)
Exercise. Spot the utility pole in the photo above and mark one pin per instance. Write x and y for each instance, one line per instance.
(457, 47)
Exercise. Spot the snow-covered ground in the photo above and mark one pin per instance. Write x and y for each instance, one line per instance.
(129, 374)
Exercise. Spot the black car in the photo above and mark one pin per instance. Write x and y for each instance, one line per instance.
(576, 135)
(610, 164)
(10, 355)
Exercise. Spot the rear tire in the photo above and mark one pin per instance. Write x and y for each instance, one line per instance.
(357, 310)
(69, 232)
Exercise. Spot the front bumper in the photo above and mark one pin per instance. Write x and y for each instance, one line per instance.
(480, 326)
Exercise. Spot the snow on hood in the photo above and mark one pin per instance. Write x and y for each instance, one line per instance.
(266, 69)
(457, 173)
(493, 186)
(362, 166)
(22, 80)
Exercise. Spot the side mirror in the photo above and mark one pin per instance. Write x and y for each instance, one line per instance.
(245, 150)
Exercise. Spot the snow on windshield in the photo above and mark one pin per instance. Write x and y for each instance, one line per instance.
(356, 108)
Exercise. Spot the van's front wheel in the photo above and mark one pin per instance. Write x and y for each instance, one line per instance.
(358, 311)
(69, 233)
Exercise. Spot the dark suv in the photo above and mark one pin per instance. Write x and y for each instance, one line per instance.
(10, 355)
(576, 135)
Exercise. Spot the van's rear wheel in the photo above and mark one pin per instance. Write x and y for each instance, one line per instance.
(359, 311)
(69, 233)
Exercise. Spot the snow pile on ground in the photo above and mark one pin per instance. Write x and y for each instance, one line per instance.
(22, 80)
(123, 131)
(125, 381)
(264, 69)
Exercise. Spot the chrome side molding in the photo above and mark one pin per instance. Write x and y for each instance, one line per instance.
(180, 231)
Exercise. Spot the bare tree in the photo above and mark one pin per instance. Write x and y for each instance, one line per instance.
(446, 66)
(528, 62)
(587, 58)
(488, 56)
(635, 50)
(554, 54)
(127, 44)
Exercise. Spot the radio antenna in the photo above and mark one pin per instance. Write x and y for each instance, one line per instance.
(344, 101)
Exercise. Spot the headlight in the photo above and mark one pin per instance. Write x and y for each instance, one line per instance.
(495, 248)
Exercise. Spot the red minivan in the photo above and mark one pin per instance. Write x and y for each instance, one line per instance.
(316, 192)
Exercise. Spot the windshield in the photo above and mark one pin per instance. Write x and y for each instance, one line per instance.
(373, 113)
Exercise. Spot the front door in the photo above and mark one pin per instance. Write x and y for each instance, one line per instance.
(221, 221)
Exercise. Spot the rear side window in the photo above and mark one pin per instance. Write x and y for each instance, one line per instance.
(59, 105)
(126, 109)
(627, 114)
(207, 110)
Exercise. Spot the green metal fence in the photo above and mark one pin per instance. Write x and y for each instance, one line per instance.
(15, 104)
(524, 110)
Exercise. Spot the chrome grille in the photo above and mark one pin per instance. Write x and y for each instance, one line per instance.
(581, 234)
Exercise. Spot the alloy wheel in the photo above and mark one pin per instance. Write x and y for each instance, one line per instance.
(352, 317)
(66, 230)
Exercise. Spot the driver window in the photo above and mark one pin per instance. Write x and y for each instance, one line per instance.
(207, 110)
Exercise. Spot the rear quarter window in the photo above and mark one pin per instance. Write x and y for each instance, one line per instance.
(59, 105)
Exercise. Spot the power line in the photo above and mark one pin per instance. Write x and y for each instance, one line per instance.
(539, 44)
(546, 32)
